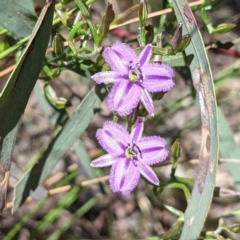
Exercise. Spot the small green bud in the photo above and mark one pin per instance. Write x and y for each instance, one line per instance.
(179, 42)
(62, 103)
(57, 45)
(59, 103)
(235, 228)
(51, 73)
(64, 18)
(224, 28)
(55, 72)
(184, 43)
(177, 37)
(175, 230)
(149, 33)
(176, 149)
(64, 2)
(158, 96)
(47, 70)
(3, 45)
(132, 118)
(108, 17)
(142, 12)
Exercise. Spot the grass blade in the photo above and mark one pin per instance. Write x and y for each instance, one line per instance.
(202, 193)
(20, 18)
(17, 90)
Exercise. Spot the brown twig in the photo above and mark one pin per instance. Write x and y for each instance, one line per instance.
(66, 188)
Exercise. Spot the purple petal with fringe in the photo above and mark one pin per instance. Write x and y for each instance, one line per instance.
(133, 77)
(137, 130)
(129, 154)
(103, 161)
(121, 100)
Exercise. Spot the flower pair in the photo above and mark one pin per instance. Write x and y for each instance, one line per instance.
(133, 78)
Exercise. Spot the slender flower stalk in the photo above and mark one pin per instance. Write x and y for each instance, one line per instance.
(134, 78)
(130, 155)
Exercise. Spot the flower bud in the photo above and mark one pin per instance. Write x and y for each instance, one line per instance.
(62, 103)
(64, 18)
(132, 118)
(235, 228)
(179, 42)
(55, 72)
(175, 230)
(177, 38)
(158, 96)
(64, 2)
(3, 45)
(51, 73)
(149, 33)
(176, 149)
(142, 12)
(223, 28)
(57, 45)
(184, 43)
(108, 17)
(59, 103)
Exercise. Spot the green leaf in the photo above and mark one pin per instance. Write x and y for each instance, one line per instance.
(228, 148)
(18, 16)
(58, 147)
(79, 148)
(202, 192)
(17, 90)
(83, 158)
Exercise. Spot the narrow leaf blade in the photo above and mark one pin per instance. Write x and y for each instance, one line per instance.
(17, 90)
(20, 18)
(202, 193)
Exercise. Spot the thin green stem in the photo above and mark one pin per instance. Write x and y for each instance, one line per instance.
(72, 34)
(87, 16)
(173, 210)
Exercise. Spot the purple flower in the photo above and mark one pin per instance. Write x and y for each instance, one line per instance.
(133, 77)
(129, 154)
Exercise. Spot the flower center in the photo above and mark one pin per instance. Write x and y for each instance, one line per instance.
(134, 73)
(131, 151)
